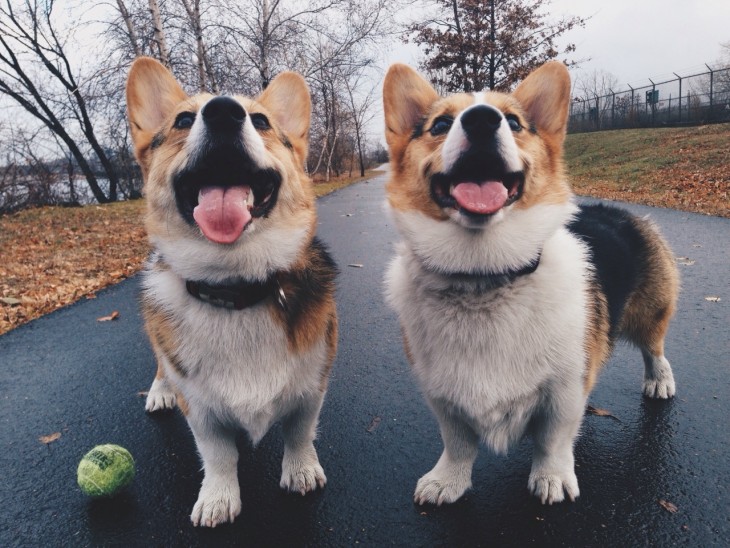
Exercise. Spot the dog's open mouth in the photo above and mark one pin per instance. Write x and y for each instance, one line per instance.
(477, 196)
(223, 195)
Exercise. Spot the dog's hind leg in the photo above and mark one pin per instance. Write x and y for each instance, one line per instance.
(451, 476)
(649, 310)
(300, 468)
(645, 323)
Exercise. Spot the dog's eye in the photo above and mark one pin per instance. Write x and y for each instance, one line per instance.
(514, 122)
(441, 125)
(260, 121)
(184, 120)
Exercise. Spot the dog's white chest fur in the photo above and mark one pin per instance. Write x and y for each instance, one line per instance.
(496, 357)
(238, 366)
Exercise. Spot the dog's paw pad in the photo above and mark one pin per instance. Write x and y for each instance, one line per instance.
(552, 488)
(160, 397)
(438, 489)
(216, 506)
(302, 475)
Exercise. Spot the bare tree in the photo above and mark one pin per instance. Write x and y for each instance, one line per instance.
(598, 88)
(361, 112)
(29, 42)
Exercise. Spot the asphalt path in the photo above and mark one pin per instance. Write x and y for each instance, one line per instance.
(70, 374)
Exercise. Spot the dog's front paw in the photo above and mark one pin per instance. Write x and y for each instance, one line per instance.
(161, 396)
(659, 380)
(552, 487)
(442, 486)
(301, 471)
(218, 502)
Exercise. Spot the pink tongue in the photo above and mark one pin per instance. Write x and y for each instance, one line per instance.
(483, 198)
(222, 213)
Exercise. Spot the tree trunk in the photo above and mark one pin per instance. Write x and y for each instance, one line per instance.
(159, 35)
(462, 50)
(131, 32)
(493, 40)
(205, 71)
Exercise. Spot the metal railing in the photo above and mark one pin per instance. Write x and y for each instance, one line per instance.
(685, 100)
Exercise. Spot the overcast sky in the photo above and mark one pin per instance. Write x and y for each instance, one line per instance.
(638, 39)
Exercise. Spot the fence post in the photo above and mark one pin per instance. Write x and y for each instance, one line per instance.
(653, 105)
(613, 109)
(631, 109)
(712, 105)
(680, 96)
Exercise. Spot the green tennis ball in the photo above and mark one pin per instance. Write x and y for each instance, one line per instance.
(105, 470)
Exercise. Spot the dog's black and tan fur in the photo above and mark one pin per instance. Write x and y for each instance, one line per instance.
(238, 295)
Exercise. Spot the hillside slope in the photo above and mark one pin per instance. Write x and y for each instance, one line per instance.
(681, 168)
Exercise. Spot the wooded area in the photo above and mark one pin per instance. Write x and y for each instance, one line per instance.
(63, 66)
(63, 63)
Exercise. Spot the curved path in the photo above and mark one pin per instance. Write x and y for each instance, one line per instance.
(68, 373)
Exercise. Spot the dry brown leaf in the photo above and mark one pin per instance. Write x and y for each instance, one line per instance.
(113, 316)
(50, 438)
(599, 412)
(373, 424)
(668, 506)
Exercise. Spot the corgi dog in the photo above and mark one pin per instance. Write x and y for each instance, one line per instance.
(238, 294)
(510, 296)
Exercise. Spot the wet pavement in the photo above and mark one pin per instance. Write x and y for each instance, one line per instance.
(68, 373)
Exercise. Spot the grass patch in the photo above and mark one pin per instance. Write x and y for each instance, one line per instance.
(322, 187)
(681, 168)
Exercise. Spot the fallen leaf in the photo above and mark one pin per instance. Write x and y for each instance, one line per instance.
(373, 424)
(668, 506)
(713, 299)
(599, 412)
(355, 265)
(113, 316)
(12, 301)
(50, 438)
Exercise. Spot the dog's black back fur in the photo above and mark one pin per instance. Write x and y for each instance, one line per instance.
(618, 253)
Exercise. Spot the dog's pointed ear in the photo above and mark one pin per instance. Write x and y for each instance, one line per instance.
(545, 95)
(407, 96)
(287, 99)
(152, 95)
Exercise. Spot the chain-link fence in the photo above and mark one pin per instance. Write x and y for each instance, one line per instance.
(684, 100)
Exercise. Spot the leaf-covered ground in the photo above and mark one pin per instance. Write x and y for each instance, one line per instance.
(680, 168)
(54, 256)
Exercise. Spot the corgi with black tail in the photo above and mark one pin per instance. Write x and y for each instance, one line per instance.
(511, 296)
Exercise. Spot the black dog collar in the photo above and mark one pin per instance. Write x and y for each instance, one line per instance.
(237, 296)
(492, 280)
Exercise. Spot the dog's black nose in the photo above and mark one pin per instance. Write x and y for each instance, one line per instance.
(223, 113)
(481, 121)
